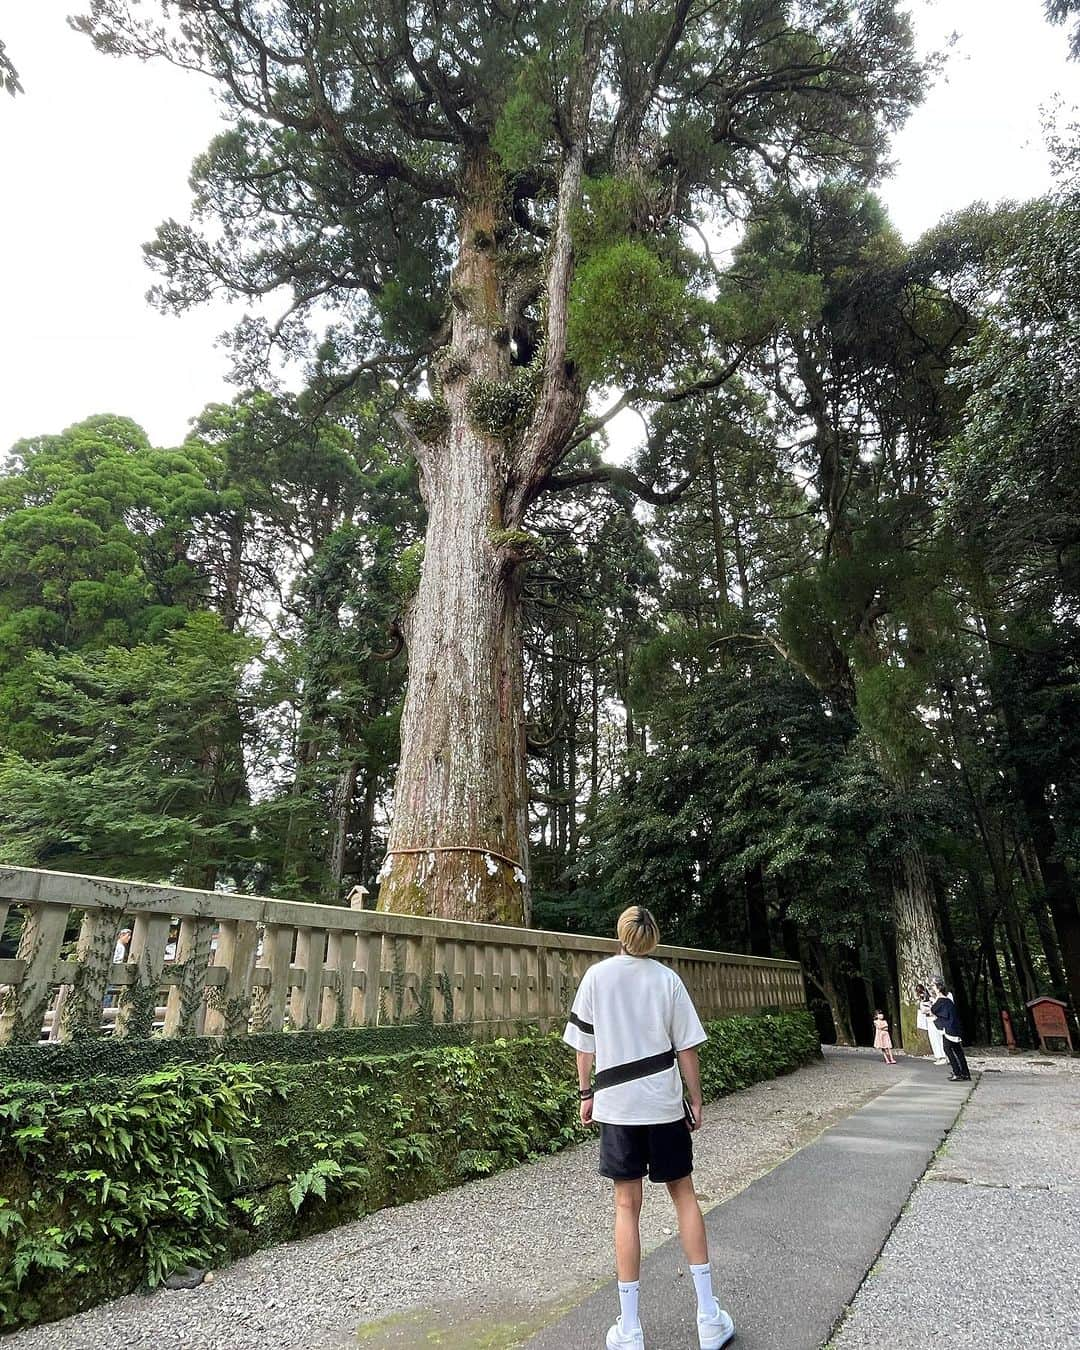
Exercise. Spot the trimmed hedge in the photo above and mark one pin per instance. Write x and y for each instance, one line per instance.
(114, 1182)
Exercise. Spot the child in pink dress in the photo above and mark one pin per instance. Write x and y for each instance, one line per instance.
(882, 1039)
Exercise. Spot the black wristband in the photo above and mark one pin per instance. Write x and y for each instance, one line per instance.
(586, 1093)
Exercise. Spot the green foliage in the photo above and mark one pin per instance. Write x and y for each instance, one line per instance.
(182, 630)
(520, 543)
(613, 207)
(93, 529)
(887, 703)
(407, 571)
(108, 1183)
(628, 313)
(428, 417)
(71, 1061)
(749, 769)
(141, 1172)
(807, 633)
(371, 234)
(501, 408)
(1012, 466)
(133, 774)
(741, 1051)
(525, 124)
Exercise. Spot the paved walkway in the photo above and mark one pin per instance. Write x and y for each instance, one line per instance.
(986, 1255)
(791, 1250)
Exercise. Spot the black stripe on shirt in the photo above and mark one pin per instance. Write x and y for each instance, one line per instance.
(635, 1068)
(586, 1027)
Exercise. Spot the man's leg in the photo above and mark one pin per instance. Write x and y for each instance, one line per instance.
(627, 1230)
(691, 1224)
(714, 1325)
(628, 1251)
(961, 1059)
(954, 1060)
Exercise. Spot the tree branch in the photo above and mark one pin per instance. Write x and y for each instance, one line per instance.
(560, 399)
(615, 476)
(397, 644)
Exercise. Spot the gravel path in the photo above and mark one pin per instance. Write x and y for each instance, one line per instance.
(998, 1060)
(505, 1250)
(983, 1257)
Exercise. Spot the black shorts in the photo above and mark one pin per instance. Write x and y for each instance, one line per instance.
(660, 1152)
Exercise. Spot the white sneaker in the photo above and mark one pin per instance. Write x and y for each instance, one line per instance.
(714, 1332)
(617, 1339)
(942, 1060)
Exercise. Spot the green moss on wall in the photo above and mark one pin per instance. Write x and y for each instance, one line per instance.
(69, 1062)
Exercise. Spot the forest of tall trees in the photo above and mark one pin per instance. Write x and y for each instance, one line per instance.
(793, 659)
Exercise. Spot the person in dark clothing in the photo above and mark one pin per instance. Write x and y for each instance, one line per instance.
(947, 1021)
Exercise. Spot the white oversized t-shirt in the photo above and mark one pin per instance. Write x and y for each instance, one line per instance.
(631, 1008)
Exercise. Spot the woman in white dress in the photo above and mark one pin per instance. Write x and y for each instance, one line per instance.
(925, 1022)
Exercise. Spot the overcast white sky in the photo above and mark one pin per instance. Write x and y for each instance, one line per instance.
(97, 151)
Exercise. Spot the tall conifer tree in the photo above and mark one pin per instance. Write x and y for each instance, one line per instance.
(495, 203)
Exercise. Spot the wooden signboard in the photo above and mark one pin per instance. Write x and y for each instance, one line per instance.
(1050, 1021)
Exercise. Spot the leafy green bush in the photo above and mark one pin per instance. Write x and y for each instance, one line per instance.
(109, 1183)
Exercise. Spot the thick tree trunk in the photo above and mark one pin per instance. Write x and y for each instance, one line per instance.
(459, 836)
(458, 841)
(918, 949)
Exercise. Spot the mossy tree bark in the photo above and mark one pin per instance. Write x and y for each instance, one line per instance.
(485, 445)
(458, 840)
(918, 946)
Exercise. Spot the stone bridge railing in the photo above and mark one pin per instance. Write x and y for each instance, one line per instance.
(219, 964)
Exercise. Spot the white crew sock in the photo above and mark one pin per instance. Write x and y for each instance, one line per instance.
(628, 1298)
(706, 1299)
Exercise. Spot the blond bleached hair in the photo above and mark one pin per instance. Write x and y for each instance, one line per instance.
(638, 931)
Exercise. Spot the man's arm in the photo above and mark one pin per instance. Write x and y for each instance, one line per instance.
(690, 1068)
(584, 1075)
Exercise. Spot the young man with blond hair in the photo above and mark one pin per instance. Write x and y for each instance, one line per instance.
(633, 1016)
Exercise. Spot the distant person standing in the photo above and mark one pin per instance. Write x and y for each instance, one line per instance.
(947, 1020)
(882, 1039)
(635, 1018)
(123, 944)
(924, 1022)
